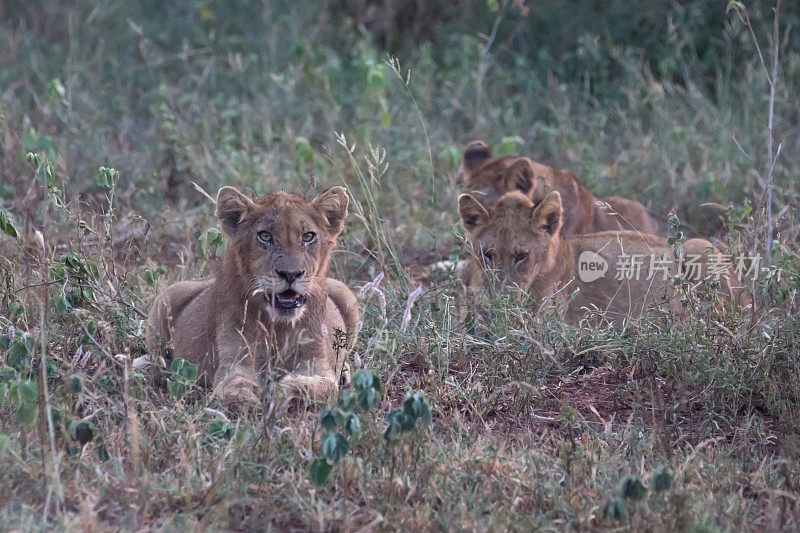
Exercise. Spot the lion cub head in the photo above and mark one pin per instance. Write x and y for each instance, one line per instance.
(515, 238)
(488, 179)
(279, 245)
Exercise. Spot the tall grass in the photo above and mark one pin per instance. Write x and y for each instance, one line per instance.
(536, 424)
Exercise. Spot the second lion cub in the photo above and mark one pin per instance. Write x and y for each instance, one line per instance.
(520, 242)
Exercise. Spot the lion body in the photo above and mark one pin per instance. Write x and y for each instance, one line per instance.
(528, 251)
(488, 179)
(226, 324)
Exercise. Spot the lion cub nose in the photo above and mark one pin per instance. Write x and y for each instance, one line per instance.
(290, 275)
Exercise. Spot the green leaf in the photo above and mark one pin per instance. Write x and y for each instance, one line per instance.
(327, 419)
(26, 413)
(320, 469)
(348, 400)
(176, 388)
(184, 370)
(661, 480)
(352, 424)
(82, 431)
(7, 225)
(407, 422)
(334, 447)
(15, 310)
(395, 427)
(151, 275)
(220, 429)
(54, 92)
(367, 399)
(107, 178)
(8, 374)
(416, 407)
(364, 380)
(26, 391)
(212, 240)
(632, 489)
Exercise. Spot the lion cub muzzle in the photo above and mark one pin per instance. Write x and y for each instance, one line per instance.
(284, 295)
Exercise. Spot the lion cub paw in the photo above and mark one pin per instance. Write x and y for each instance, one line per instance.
(239, 392)
(313, 388)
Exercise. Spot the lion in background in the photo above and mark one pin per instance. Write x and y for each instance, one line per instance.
(488, 179)
(520, 243)
(271, 306)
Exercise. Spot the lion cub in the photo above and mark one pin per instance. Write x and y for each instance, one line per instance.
(488, 179)
(520, 242)
(270, 306)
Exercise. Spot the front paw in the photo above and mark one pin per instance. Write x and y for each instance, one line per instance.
(238, 392)
(312, 388)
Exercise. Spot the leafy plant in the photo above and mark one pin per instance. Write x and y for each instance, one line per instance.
(415, 408)
(77, 279)
(82, 431)
(7, 225)
(213, 241)
(151, 275)
(183, 374)
(23, 394)
(334, 444)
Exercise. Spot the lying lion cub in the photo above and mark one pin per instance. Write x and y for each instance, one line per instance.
(488, 179)
(521, 244)
(271, 305)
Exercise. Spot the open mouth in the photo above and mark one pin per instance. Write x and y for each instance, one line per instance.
(286, 300)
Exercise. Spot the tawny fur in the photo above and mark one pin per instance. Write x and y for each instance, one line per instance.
(520, 242)
(225, 325)
(488, 179)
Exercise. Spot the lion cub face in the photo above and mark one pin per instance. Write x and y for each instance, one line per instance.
(513, 238)
(281, 244)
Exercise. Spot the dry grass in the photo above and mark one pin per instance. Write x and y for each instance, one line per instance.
(535, 424)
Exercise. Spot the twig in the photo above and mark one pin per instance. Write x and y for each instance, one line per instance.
(772, 79)
(772, 159)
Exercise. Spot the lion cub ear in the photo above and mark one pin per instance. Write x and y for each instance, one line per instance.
(232, 206)
(518, 177)
(472, 213)
(548, 214)
(475, 155)
(333, 204)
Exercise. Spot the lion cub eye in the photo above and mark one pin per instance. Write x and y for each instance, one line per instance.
(264, 237)
(487, 256)
(520, 257)
(309, 237)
